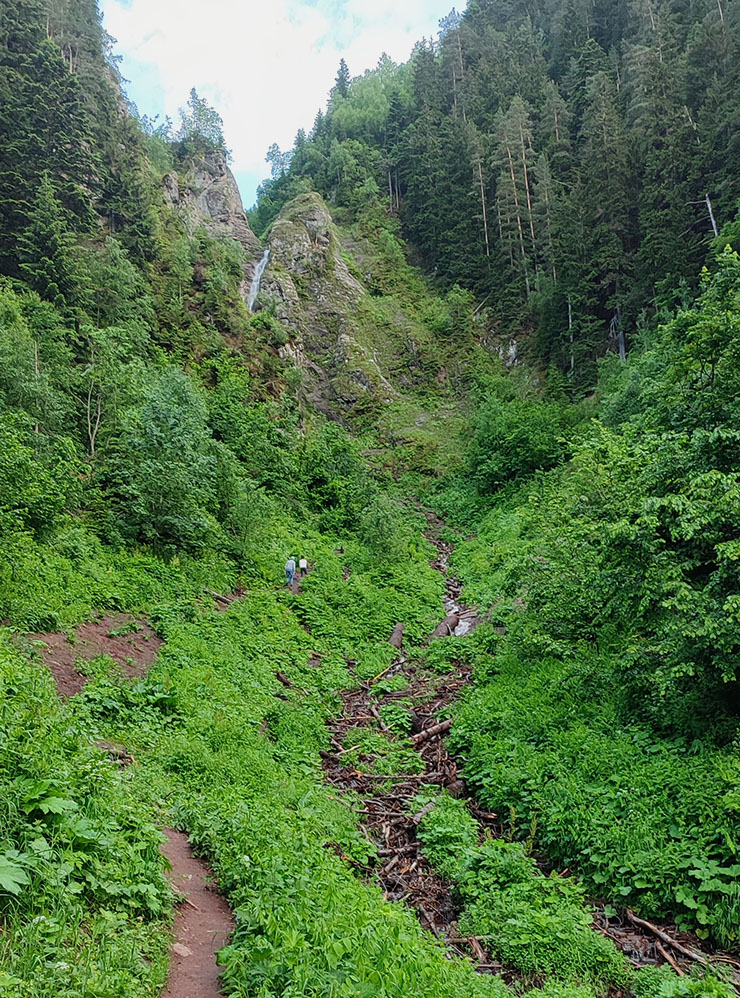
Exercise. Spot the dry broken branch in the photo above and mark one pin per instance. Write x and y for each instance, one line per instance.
(436, 729)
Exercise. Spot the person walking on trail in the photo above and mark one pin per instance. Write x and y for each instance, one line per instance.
(290, 570)
(303, 565)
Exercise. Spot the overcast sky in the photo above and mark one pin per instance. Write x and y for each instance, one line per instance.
(266, 66)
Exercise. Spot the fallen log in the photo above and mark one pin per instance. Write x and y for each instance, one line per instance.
(669, 959)
(456, 788)
(407, 850)
(476, 947)
(117, 753)
(723, 958)
(447, 628)
(226, 600)
(390, 864)
(420, 815)
(407, 777)
(436, 729)
(336, 756)
(430, 921)
(692, 954)
(376, 714)
(282, 678)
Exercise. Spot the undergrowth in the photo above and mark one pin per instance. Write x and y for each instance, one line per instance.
(83, 899)
(648, 818)
(539, 925)
(231, 755)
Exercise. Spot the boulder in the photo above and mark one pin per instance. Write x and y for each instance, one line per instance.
(396, 638)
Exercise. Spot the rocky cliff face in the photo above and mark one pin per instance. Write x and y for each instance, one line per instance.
(321, 305)
(208, 195)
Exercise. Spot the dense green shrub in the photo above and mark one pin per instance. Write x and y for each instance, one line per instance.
(513, 438)
(448, 832)
(533, 922)
(39, 477)
(163, 476)
(82, 892)
(648, 820)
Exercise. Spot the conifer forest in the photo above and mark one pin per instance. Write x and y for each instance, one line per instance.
(370, 556)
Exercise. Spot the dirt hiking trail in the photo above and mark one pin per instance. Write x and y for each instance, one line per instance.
(203, 923)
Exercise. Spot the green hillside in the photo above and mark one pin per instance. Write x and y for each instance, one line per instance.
(569, 163)
(496, 340)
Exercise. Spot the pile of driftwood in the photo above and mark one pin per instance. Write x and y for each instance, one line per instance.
(389, 818)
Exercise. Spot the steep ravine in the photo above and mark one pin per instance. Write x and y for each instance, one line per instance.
(390, 819)
(389, 816)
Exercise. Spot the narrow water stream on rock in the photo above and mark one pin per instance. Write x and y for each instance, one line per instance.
(259, 272)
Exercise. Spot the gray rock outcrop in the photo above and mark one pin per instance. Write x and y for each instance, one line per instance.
(319, 301)
(208, 195)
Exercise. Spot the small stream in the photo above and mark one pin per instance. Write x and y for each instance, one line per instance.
(386, 804)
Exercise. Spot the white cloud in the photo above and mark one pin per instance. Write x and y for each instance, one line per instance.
(267, 66)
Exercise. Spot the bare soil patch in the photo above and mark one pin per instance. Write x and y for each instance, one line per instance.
(130, 642)
(203, 923)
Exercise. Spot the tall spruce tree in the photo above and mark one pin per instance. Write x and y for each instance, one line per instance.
(343, 80)
(44, 125)
(46, 250)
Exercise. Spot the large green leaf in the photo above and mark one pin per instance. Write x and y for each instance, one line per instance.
(12, 874)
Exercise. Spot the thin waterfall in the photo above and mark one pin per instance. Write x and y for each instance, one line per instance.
(257, 280)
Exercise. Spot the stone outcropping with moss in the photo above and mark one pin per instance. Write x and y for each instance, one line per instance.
(318, 300)
(207, 195)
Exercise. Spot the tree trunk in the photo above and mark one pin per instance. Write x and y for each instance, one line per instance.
(548, 221)
(484, 207)
(711, 217)
(462, 71)
(93, 421)
(529, 203)
(37, 371)
(520, 227)
(692, 123)
(508, 232)
(570, 338)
